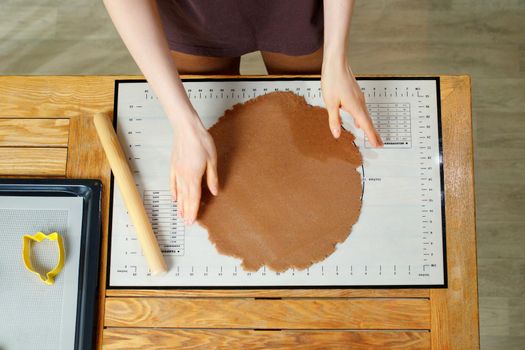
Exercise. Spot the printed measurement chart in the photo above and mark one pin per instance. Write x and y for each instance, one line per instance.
(399, 239)
(392, 121)
(162, 212)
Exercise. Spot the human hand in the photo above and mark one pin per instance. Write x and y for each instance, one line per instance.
(192, 155)
(340, 90)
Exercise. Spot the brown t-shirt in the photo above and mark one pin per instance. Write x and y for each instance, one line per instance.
(230, 28)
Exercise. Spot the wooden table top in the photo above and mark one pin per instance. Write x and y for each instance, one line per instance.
(46, 130)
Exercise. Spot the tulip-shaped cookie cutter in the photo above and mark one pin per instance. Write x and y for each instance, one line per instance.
(49, 278)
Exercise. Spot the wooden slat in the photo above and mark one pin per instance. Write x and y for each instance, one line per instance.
(57, 96)
(154, 339)
(34, 132)
(269, 313)
(272, 293)
(455, 322)
(33, 161)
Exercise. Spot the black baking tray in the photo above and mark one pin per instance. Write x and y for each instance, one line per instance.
(90, 191)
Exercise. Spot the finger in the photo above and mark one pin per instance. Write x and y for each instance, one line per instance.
(182, 194)
(381, 144)
(173, 186)
(212, 179)
(194, 197)
(370, 131)
(334, 120)
(186, 206)
(180, 198)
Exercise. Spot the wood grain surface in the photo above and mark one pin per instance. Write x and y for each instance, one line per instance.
(33, 161)
(34, 132)
(450, 314)
(266, 313)
(455, 309)
(273, 293)
(152, 339)
(33, 147)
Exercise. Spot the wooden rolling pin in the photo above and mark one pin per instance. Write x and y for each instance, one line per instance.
(132, 199)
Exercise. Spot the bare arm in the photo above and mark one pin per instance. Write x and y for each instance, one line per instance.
(340, 89)
(337, 20)
(138, 23)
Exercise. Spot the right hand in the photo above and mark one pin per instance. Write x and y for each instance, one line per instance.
(192, 155)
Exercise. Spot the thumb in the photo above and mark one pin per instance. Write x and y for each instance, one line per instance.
(334, 120)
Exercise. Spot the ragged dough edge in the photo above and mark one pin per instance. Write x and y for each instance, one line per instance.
(277, 269)
(295, 267)
(257, 99)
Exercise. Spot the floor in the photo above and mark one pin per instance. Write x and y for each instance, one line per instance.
(482, 38)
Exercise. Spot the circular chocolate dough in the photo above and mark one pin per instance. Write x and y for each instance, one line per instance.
(289, 192)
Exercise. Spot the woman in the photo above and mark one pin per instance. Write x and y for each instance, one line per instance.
(208, 37)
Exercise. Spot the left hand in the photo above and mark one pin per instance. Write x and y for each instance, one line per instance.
(340, 90)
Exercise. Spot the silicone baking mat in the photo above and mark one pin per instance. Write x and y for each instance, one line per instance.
(399, 240)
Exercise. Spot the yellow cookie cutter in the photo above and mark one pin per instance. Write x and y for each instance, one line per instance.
(49, 278)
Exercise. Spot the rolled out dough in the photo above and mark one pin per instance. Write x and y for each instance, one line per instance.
(289, 191)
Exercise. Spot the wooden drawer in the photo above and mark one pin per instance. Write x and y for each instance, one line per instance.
(288, 313)
(253, 323)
